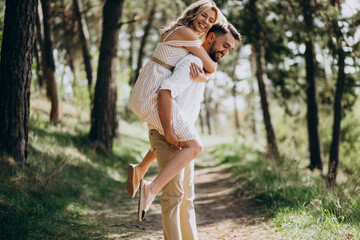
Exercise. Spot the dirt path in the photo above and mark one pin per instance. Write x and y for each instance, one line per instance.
(220, 213)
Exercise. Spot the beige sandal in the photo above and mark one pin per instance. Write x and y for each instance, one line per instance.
(141, 212)
(143, 206)
(132, 183)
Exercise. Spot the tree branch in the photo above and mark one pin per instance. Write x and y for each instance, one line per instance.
(135, 19)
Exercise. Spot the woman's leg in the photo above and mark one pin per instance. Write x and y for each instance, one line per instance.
(190, 150)
(144, 165)
(137, 172)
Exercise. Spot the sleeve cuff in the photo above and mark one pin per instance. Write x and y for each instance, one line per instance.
(168, 86)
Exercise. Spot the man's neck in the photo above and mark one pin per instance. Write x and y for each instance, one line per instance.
(206, 46)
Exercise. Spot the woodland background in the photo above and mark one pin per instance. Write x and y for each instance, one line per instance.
(282, 112)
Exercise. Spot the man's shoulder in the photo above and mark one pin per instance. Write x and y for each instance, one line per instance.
(188, 59)
(192, 57)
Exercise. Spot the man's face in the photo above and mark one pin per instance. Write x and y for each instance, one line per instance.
(221, 46)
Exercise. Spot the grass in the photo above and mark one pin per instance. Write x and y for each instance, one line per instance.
(296, 201)
(74, 189)
(70, 187)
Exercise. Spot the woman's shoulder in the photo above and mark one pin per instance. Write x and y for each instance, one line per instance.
(183, 33)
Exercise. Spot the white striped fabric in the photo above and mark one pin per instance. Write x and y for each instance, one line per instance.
(143, 99)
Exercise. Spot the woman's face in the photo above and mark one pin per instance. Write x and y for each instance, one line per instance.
(204, 21)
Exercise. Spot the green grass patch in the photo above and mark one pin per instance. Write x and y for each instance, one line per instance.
(297, 202)
(73, 188)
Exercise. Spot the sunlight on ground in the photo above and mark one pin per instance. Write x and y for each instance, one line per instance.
(116, 236)
(41, 104)
(73, 153)
(114, 174)
(77, 209)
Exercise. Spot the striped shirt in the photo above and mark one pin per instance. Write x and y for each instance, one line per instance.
(143, 99)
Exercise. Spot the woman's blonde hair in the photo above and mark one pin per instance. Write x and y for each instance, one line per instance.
(190, 13)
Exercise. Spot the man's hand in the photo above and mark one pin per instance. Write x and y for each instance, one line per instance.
(197, 74)
(172, 138)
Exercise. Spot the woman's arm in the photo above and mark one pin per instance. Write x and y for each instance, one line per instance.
(186, 34)
(209, 64)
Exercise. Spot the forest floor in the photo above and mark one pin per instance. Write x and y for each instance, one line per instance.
(76, 190)
(221, 210)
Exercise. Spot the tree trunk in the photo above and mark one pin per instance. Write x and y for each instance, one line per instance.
(131, 49)
(236, 113)
(336, 136)
(262, 79)
(316, 157)
(208, 112)
(201, 121)
(233, 90)
(38, 62)
(104, 121)
(49, 63)
(15, 77)
(147, 29)
(325, 98)
(38, 51)
(258, 47)
(70, 45)
(215, 116)
(251, 100)
(84, 37)
(251, 97)
(39, 41)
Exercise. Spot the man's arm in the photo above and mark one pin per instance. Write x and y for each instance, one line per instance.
(170, 88)
(165, 107)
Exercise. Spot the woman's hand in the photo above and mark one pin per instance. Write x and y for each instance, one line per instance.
(197, 74)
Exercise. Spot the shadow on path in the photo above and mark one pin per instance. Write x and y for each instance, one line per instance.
(223, 215)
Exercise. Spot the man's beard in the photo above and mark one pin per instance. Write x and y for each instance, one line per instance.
(213, 57)
(213, 53)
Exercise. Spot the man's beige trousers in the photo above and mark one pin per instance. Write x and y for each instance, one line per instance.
(177, 200)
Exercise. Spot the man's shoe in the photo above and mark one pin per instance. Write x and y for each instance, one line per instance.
(133, 180)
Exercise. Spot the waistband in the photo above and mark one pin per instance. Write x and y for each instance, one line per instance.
(161, 63)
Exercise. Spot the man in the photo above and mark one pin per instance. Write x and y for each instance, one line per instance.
(178, 214)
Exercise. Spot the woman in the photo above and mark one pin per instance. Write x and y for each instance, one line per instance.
(177, 40)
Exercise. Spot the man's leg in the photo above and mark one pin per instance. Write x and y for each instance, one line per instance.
(187, 211)
(172, 193)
